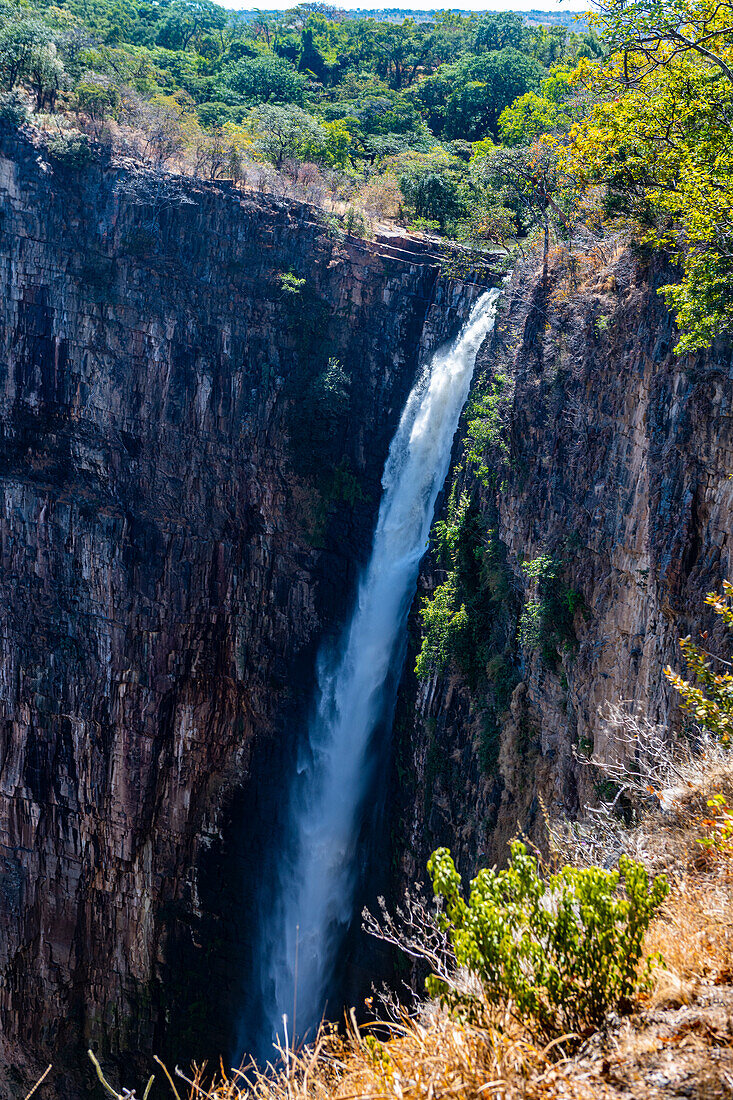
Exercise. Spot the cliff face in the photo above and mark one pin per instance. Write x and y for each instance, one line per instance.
(617, 464)
(190, 457)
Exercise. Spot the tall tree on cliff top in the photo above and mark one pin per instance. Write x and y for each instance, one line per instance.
(661, 140)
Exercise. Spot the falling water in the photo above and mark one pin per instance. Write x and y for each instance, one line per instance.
(315, 876)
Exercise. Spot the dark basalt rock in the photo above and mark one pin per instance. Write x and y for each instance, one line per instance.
(168, 569)
(620, 465)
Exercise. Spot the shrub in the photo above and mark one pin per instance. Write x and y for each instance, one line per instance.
(290, 283)
(443, 623)
(547, 618)
(431, 194)
(485, 416)
(710, 699)
(558, 954)
(72, 150)
(444, 617)
(97, 97)
(529, 629)
(468, 624)
(423, 225)
(13, 110)
(381, 197)
(718, 825)
(355, 224)
(214, 114)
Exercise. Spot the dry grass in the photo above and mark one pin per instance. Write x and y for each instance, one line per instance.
(438, 1056)
(680, 1038)
(668, 792)
(694, 931)
(435, 1057)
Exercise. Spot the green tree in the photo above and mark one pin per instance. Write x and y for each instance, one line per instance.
(532, 183)
(430, 186)
(24, 43)
(282, 132)
(188, 21)
(97, 97)
(502, 28)
(551, 45)
(116, 23)
(552, 111)
(465, 100)
(658, 139)
(654, 34)
(444, 621)
(266, 79)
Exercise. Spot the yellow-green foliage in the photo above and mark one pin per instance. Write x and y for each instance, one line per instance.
(659, 139)
(710, 699)
(558, 953)
(718, 839)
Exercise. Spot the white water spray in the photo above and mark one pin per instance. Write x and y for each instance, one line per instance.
(316, 875)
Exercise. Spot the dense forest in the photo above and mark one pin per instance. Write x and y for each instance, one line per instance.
(392, 117)
(478, 126)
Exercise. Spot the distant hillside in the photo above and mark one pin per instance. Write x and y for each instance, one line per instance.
(534, 18)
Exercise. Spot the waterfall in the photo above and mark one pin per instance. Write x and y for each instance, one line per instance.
(304, 921)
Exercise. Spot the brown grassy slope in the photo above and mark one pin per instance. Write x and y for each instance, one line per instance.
(677, 1043)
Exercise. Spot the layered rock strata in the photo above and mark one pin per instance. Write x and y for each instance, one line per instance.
(197, 392)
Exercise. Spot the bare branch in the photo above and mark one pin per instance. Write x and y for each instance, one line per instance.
(415, 930)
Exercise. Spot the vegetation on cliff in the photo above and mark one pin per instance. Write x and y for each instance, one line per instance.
(492, 132)
(555, 978)
(559, 978)
(708, 698)
(630, 149)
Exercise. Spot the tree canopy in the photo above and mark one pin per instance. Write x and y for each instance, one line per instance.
(479, 126)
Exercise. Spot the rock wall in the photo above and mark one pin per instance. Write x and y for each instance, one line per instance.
(190, 456)
(617, 462)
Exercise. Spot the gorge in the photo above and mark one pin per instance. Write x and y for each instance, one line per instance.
(169, 448)
(191, 457)
(303, 924)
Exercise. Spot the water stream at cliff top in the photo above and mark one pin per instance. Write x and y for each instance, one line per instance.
(312, 902)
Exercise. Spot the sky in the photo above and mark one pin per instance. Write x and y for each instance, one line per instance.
(426, 5)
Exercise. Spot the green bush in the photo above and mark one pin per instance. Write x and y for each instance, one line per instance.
(547, 619)
(559, 954)
(290, 283)
(708, 699)
(355, 224)
(431, 193)
(485, 417)
(13, 110)
(72, 150)
(97, 98)
(443, 623)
